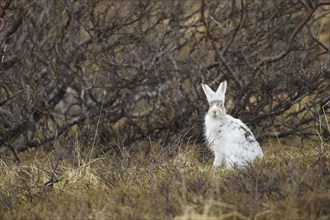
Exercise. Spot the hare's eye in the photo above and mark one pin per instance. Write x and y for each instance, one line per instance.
(216, 103)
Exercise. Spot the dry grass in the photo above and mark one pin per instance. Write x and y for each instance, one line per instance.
(292, 182)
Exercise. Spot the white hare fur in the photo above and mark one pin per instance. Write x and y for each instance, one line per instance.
(231, 141)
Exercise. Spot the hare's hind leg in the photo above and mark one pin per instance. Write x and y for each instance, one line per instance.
(234, 161)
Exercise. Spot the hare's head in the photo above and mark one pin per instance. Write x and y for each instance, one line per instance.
(216, 100)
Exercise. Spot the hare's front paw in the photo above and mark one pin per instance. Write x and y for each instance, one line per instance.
(217, 161)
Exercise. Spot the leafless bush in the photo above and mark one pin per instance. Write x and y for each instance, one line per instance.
(116, 72)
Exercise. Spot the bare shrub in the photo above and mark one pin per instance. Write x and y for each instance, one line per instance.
(116, 72)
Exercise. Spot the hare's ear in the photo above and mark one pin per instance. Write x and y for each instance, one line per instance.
(208, 92)
(221, 91)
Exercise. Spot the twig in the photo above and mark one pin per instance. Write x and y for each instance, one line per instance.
(218, 53)
(309, 13)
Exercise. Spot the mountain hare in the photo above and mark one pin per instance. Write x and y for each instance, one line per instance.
(231, 141)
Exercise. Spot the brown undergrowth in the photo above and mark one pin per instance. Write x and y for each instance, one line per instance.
(292, 182)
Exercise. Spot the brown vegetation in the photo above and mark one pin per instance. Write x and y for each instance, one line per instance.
(290, 183)
(105, 97)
